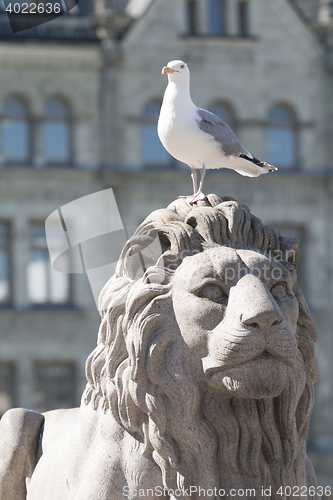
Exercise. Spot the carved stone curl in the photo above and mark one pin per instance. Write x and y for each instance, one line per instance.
(202, 376)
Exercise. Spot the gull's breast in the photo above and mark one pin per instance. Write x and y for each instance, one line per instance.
(183, 139)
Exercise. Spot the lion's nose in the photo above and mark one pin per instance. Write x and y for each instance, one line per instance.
(260, 310)
(262, 321)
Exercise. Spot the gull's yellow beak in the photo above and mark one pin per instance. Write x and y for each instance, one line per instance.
(167, 70)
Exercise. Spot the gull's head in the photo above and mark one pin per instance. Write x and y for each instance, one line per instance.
(177, 72)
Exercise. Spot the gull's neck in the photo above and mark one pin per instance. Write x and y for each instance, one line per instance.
(178, 94)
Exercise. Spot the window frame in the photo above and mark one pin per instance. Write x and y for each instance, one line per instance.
(192, 17)
(48, 304)
(9, 302)
(69, 122)
(293, 127)
(151, 122)
(220, 17)
(26, 162)
(243, 18)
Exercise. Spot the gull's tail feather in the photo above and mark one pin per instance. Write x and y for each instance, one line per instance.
(262, 164)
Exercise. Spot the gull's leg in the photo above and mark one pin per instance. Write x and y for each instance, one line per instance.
(202, 176)
(199, 194)
(194, 180)
(195, 185)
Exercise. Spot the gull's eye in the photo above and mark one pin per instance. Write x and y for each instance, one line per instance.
(278, 291)
(182, 66)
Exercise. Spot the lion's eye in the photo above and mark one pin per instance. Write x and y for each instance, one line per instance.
(278, 291)
(212, 292)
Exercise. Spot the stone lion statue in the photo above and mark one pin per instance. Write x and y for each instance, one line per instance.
(201, 384)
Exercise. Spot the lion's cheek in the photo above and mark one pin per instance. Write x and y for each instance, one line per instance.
(260, 378)
(196, 317)
(290, 311)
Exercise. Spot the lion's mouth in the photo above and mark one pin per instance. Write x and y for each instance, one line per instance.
(262, 376)
(211, 365)
(232, 349)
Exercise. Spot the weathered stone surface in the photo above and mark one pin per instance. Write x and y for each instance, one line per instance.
(202, 377)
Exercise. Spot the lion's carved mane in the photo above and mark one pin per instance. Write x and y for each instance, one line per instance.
(138, 371)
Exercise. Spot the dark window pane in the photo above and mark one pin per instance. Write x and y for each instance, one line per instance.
(280, 146)
(4, 276)
(56, 131)
(15, 135)
(55, 108)
(38, 236)
(4, 264)
(14, 107)
(280, 115)
(152, 149)
(280, 137)
(7, 386)
(15, 139)
(192, 16)
(55, 141)
(54, 386)
(243, 18)
(217, 17)
(151, 111)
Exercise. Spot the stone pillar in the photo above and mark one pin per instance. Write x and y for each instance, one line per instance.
(20, 252)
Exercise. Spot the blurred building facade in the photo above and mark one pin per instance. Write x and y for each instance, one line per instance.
(79, 102)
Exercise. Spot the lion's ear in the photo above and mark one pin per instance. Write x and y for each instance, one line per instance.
(289, 251)
(141, 252)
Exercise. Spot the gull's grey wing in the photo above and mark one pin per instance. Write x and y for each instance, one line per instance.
(222, 133)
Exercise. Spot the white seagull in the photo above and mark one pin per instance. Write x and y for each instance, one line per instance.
(197, 137)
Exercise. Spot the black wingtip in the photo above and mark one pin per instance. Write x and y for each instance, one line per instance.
(262, 164)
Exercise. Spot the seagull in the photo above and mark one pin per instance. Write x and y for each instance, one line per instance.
(198, 137)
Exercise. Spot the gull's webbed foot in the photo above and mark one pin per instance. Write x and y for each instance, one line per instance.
(199, 195)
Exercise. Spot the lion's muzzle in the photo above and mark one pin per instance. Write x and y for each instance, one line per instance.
(253, 324)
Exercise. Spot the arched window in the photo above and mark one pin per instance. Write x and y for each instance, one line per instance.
(151, 146)
(15, 130)
(280, 147)
(217, 17)
(56, 131)
(224, 111)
